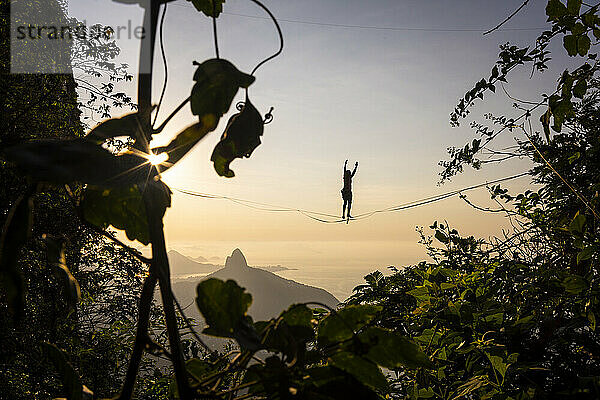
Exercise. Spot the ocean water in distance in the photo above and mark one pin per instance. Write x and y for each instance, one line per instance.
(336, 280)
(336, 266)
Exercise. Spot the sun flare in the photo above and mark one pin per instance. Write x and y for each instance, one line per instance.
(157, 159)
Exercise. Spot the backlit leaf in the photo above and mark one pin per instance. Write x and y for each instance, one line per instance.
(365, 371)
(122, 207)
(342, 324)
(209, 8)
(217, 82)
(67, 161)
(392, 350)
(183, 142)
(241, 137)
(224, 305)
(128, 125)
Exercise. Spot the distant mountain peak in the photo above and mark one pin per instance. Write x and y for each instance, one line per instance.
(236, 260)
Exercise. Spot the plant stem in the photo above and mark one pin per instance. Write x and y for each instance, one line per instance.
(140, 335)
(166, 121)
(159, 268)
(160, 264)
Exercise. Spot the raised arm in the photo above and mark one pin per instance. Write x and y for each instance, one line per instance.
(355, 167)
(345, 165)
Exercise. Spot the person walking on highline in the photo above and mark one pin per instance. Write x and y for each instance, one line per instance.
(347, 190)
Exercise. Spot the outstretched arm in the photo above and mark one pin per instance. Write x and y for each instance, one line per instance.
(345, 165)
(355, 167)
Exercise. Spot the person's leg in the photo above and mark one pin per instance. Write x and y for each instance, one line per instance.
(349, 206)
(344, 209)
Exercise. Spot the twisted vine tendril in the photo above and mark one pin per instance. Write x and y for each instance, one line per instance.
(278, 52)
(164, 61)
(214, 24)
(268, 116)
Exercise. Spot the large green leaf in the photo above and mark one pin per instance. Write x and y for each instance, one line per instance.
(289, 333)
(583, 44)
(555, 10)
(362, 369)
(241, 137)
(183, 142)
(217, 82)
(574, 284)
(342, 324)
(577, 225)
(56, 259)
(66, 161)
(586, 253)
(392, 350)
(210, 8)
(121, 207)
(330, 383)
(14, 235)
(73, 387)
(224, 306)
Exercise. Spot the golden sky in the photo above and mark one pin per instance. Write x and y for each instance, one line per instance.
(361, 92)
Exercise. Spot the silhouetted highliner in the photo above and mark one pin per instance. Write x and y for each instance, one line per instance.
(347, 190)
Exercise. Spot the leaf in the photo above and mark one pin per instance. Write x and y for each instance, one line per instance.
(342, 324)
(123, 208)
(583, 45)
(586, 253)
(592, 318)
(128, 125)
(56, 258)
(570, 44)
(241, 137)
(328, 383)
(197, 368)
(209, 8)
(66, 161)
(573, 7)
(392, 350)
(217, 82)
(577, 225)
(289, 333)
(580, 88)
(224, 306)
(439, 235)
(15, 232)
(72, 383)
(471, 386)
(555, 10)
(299, 318)
(574, 157)
(183, 142)
(498, 364)
(362, 369)
(574, 284)
(545, 120)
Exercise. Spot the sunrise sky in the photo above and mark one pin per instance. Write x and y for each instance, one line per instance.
(378, 90)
